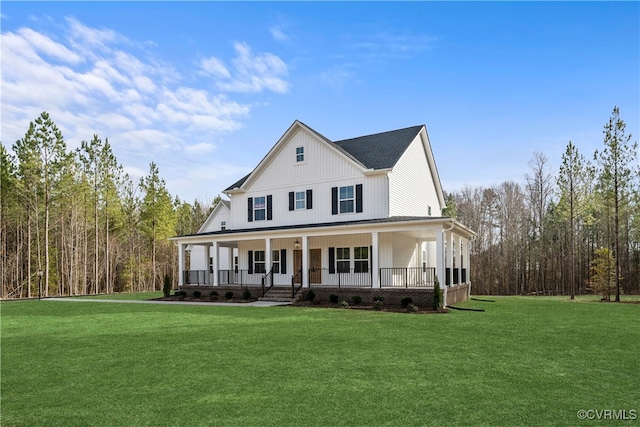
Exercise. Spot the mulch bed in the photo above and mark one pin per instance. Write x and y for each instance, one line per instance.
(367, 307)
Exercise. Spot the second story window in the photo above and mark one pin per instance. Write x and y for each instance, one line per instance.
(346, 199)
(299, 154)
(259, 208)
(223, 225)
(301, 199)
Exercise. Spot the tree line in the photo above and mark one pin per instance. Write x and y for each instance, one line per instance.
(574, 230)
(73, 222)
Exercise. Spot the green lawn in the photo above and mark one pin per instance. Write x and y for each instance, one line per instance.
(524, 361)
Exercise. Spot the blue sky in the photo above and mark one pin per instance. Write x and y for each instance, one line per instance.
(205, 89)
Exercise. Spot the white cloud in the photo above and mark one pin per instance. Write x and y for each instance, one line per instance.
(200, 148)
(252, 73)
(278, 34)
(215, 67)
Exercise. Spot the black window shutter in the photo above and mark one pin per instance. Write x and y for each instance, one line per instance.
(334, 201)
(269, 208)
(283, 261)
(250, 262)
(309, 199)
(291, 201)
(250, 209)
(332, 260)
(359, 198)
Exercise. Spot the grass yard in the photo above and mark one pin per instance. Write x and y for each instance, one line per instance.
(524, 361)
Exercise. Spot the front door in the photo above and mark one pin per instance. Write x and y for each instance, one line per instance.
(297, 266)
(315, 266)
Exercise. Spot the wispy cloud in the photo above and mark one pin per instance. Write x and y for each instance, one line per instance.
(251, 73)
(97, 81)
(278, 33)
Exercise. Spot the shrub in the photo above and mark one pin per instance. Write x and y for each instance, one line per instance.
(246, 294)
(166, 289)
(344, 304)
(213, 294)
(228, 295)
(316, 300)
(412, 308)
(377, 298)
(437, 296)
(406, 301)
(333, 298)
(197, 294)
(181, 294)
(357, 299)
(377, 305)
(310, 296)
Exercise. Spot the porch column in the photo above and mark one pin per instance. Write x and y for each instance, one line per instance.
(305, 261)
(458, 255)
(207, 263)
(216, 262)
(180, 264)
(375, 270)
(440, 253)
(267, 255)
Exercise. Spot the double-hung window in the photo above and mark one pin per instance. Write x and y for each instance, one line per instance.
(301, 200)
(347, 199)
(361, 259)
(343, 260)
(259, 262)
(275, 261)
(259, 208)
(299, 154)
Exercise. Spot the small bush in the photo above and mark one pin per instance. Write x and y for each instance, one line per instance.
(437, 296)
(344, 304)
(228, 295)
(180, 294)
(310, 296)
(333, 298)
(356, 299)
(377, 298)
(316, 300)
(412, 308)
(377, 305)
(213, 294)
(166, 288)
(246, 294)
(197, 294)
(406, 301)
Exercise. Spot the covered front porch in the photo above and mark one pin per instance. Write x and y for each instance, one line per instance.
(378, 254)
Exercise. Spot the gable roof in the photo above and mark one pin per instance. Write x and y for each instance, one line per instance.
(374, 152)
(221, 205)
(380, 150)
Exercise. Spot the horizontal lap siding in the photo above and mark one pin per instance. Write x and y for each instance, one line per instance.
(411, 187)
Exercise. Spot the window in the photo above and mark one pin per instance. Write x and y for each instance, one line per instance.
(361, 259)
(301, 200)
(223, 225)
(299, 154)
(429, 210)
(258, 262)
(259, 208)
(343, 259)
(347, 199)
(275, 261)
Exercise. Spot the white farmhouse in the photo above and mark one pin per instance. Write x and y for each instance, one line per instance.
(358, 213)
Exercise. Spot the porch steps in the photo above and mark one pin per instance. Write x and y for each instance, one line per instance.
(279, 294)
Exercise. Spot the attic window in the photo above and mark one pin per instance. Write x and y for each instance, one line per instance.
(223, 225)
(299, 154)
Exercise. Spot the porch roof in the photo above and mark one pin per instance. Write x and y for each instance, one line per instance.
(376, 222)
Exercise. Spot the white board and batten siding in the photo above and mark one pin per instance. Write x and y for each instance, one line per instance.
(322, 169)
(411, 187)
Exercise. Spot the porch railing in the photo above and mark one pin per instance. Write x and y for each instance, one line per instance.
(401, 277)
(348, 278)
(418, 277)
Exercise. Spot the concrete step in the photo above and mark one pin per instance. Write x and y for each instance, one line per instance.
(279, 294)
